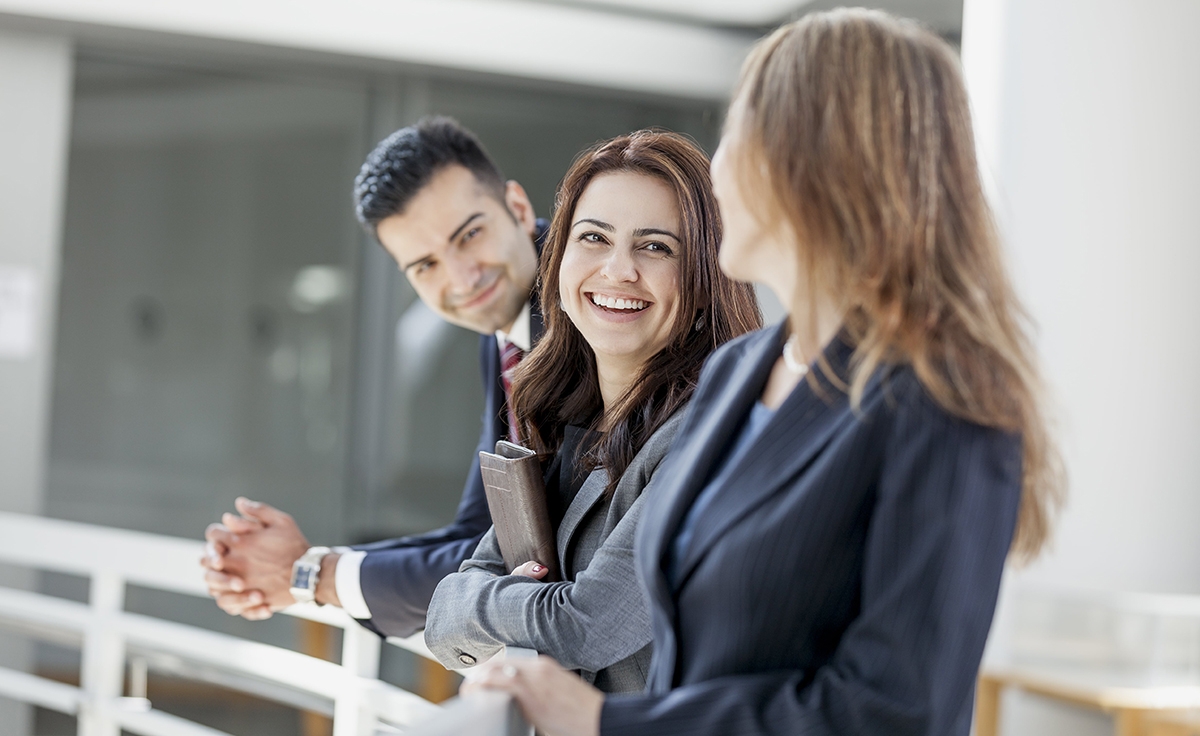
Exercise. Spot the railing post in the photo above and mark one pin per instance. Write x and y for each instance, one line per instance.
(351, 716)
(102, 672)
(517, 725)
(360, 651)
(360, 656)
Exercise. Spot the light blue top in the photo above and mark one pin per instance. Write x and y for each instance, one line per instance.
(760, 414)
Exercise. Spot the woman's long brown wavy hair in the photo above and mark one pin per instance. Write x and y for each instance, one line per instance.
(857, 135)
(557, 384)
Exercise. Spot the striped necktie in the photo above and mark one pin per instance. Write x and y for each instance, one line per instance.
(510, 356)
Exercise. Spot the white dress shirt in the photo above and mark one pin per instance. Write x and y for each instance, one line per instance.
(520, 335)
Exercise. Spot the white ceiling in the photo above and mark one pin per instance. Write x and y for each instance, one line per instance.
(536, 40)
(725, 12)
(683, 48)
(944, 16)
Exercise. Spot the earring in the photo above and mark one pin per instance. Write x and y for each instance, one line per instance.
(699, 323)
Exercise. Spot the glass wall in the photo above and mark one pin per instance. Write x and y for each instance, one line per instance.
(426, 434)
(205, 314)
(225, 328)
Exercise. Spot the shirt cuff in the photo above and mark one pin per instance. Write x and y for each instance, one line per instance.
(346, 582)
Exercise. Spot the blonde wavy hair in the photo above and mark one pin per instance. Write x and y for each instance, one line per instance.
(857, 135)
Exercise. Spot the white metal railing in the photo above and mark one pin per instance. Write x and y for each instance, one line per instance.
(110, 638)
(1149, 638)
(482, 714)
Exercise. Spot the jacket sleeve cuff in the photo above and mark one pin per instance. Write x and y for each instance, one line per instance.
(346, 581)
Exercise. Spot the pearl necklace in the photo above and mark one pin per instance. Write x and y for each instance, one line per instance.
(789, 358)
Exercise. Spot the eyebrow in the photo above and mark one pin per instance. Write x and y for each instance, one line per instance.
(472, 218)
(598, 223)
(453, 236)
(641, 232)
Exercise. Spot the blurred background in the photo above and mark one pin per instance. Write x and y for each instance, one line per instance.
(189, 311)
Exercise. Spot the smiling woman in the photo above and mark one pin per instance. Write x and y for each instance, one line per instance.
(619, 277)
(635, 219)
(633, 303)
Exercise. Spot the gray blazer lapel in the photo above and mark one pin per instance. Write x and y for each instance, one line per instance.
(590, 493)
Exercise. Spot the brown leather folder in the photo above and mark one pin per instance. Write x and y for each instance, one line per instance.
(516, 495)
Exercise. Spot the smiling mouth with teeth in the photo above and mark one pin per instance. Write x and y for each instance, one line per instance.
(619, 305)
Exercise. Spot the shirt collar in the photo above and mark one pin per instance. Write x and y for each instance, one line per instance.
(520, 331)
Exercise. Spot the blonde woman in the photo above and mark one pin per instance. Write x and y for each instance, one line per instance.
(825, 553)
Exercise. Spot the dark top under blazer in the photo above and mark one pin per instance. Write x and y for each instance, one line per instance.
(398, 576)
(845, 579)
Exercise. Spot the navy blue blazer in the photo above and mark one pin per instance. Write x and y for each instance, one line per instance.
(844, 580)
(398, 576)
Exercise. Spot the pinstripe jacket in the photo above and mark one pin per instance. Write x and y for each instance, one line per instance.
(844, 580)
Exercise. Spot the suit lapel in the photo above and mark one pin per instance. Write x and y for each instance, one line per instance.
(590, 493)
(495, 411)
(693, 454)
(801, 427)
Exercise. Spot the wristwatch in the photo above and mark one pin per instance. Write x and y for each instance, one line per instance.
(305, 572)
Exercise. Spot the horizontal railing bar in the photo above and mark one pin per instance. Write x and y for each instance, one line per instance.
(172, 564)
(23, 612)
(1154, 604)
(165, 639)
(158, 723)
(399, 707)
(42, 632)
(170, 664)
(328, 615)
(414, 644)
(36, 609)
(153, 560)
(150, 560)
(238, 655)
(481, 714)
(273, 664)
(49, 694)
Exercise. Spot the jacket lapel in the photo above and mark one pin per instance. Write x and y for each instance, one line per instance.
(801, 427)
(495, 414)
(590, 493)
(692, 457)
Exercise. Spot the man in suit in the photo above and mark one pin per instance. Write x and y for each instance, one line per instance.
(466, 240)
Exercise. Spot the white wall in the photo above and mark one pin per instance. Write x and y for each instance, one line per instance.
(524, 38)
(1089, 120)
(35, 94)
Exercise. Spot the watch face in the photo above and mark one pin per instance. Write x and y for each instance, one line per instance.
(303, 577)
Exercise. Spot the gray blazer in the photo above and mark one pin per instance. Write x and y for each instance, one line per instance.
(596, 621)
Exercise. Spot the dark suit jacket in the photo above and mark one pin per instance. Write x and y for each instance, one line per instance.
(398, 576)
(844, 580)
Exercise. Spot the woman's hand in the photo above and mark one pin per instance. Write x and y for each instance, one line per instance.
(531, 569)
(553, 699)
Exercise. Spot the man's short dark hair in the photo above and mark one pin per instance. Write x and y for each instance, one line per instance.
(404, 162)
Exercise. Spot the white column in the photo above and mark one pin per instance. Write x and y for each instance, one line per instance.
(1088, 116)
(35, 96)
